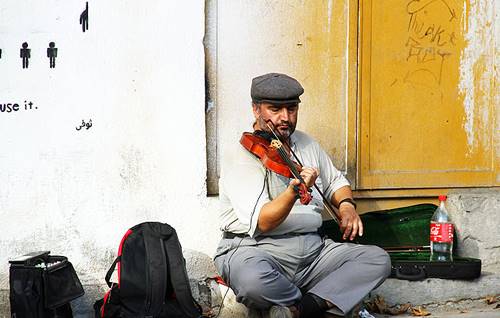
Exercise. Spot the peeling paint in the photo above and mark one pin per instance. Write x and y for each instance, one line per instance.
(330, 10)
(475, 69)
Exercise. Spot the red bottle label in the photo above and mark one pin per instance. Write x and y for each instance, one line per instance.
(442, 232)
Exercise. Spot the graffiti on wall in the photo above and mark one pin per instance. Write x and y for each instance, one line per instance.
(84, 18)
(85, 125)
(25, 50)
(25, 54)
(431, 40)
(14, 107)
(52, 54)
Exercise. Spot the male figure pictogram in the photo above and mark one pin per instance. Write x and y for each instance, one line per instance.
(25, 54)
(52, 54)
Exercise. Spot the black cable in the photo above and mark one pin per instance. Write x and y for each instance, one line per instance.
(234, 251)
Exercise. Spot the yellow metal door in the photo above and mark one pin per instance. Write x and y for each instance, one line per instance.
(417, 126)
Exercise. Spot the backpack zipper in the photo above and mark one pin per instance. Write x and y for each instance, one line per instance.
(164, 257)
(148, 279)
(148, 282)
(148, 294)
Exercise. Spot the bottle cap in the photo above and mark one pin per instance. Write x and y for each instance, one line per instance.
(442, 198)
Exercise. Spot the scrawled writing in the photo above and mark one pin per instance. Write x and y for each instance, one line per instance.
(84, 124)
(431, 40)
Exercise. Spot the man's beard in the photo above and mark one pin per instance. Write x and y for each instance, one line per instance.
(283, 134)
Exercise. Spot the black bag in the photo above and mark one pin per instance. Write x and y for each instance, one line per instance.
(152, 277)
(42, 285)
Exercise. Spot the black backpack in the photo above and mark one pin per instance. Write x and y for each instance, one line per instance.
(152, 277)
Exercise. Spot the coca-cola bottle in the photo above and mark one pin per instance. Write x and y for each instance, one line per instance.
(441, 233)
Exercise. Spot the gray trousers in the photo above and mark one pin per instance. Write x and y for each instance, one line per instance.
(267, 271)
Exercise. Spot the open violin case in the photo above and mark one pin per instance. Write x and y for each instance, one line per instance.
(404, 234)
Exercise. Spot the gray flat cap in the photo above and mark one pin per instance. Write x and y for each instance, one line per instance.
(275, 88)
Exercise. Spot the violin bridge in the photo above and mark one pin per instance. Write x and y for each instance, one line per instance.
(276, 144)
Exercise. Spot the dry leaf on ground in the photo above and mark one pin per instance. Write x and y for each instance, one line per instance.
(378, 305)
(398, 310)
(419, 311)
(491, 299)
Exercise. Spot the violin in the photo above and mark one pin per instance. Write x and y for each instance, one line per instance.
(269, 149)
(272, 155)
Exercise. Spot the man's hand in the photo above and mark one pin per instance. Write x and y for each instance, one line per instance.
(351, 224)
(309, 175)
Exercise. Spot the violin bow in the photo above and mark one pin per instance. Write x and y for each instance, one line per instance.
(326, 203)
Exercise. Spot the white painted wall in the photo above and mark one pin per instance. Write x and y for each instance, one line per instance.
(138, 74)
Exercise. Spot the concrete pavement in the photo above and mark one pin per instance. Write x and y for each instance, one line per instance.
(473, 313)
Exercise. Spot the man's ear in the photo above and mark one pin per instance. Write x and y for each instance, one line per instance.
(256, 109)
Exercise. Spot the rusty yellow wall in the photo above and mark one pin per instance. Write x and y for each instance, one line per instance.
(428, 100)
(416, 128)
(325, 74)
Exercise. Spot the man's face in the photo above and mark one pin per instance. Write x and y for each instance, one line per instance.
(283, 116)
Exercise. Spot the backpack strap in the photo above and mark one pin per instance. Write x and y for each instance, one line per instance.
(179, 277)
(110, 271)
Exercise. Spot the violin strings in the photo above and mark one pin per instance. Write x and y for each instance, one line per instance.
(326, 203)
(289, 162)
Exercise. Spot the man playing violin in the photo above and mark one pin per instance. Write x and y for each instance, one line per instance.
(271, 254)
